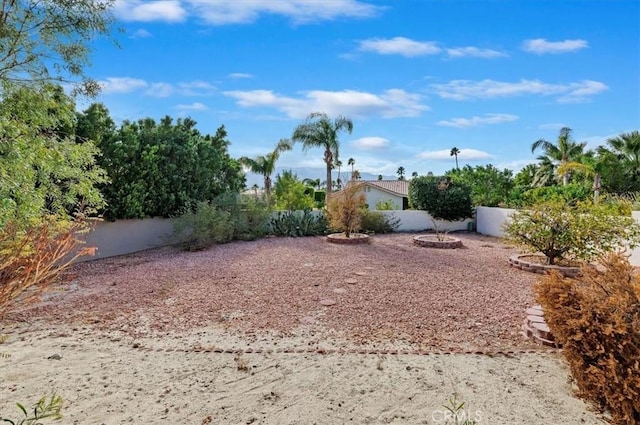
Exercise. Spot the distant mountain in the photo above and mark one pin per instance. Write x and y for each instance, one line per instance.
(313, 173)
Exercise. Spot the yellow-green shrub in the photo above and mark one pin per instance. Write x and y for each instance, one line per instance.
(596, 318)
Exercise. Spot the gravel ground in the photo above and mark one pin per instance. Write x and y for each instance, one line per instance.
(389, 291)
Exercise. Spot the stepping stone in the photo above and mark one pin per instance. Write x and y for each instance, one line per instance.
(360, 273)
(351, 281)
(535, 319)
(340, 291)
(309, 320)
(533, 311)
(327, 302)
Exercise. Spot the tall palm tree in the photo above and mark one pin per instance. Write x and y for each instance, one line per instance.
(623, 153)
(565, 150)
(400, 173)
(356, 175)
(379, 176)
(339, 165)
(265, 165)
(414, 174)
(255, 190)
(319, 131)
(314, 183)
(351, 162)
(454, 152)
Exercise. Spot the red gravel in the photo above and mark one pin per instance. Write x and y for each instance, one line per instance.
(440, 299)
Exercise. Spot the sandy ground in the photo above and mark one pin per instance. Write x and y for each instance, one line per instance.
(164, 337)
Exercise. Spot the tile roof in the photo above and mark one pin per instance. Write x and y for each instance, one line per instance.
(397, 187)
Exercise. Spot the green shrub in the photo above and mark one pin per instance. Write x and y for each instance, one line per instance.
(298, 223)
(377, 222)
(597, 320)
(45, 408)
(578, 232)
(571, 193)
(441, 197)
(386, 205)
(319, 198)
(227, 218)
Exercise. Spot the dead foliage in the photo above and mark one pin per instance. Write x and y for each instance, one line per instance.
(597, 319)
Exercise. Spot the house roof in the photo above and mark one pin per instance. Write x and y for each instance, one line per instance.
(396, 187)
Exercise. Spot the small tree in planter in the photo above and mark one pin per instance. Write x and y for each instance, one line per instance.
(442, 198)
(579, 232)
(344, 212)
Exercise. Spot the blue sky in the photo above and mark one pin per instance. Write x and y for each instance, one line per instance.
(416, 77)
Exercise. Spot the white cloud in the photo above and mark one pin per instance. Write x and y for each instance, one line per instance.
(541, 46)
(552, 126)
(466, 89)
(516, 165)
(353, 104)
(475, 52)
(476, 121)
(370, 143)
(156, 89)
(196, 106)
(121, 85)
(399, 46)
(239, 75)
(148, 11)
(464, 154)
(141, 33)
(225, 12)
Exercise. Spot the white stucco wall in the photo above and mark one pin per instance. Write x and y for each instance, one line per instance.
(127, 236)
(634, 259)
(489, 220)
(417, 221)
(375, 195)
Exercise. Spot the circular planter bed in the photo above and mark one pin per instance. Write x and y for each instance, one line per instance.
(535, 264)
(353, 239)
(432, 241)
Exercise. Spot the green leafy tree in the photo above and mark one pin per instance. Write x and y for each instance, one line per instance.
(489, 186)
(379, 176)
(319, 131)
(50, 41)
(43, 171)
(442, 197)
(582, 231)
(291, 193)
(161, 169)
(565, 150)
(265, 165)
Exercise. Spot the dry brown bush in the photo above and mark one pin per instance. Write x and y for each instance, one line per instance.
(32, 259)
(344, 211)
(597, 320)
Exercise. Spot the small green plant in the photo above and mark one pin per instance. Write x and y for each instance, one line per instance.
(377, 222)
(296, 223)
(386, 205)
(457, 413)
(45, 408)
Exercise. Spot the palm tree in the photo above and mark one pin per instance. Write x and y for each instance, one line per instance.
(414, 174)
(339, 164)
(351, 162)
(356, 175)
(379, 176)
(454, 152)
(565, 150)
(265, 165)
(255, 190)
(622, 154)
(319, 131)
(400, 173)
(314, 183)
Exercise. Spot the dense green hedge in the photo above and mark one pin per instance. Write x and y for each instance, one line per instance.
(441, 197)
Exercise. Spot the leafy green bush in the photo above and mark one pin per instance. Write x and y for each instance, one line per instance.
(377, 222)
(298, 223)
(441, 197)
(222, 220)
(386, 205)
(571, 193)
(291, 193)
(578, 232)
(490, 186)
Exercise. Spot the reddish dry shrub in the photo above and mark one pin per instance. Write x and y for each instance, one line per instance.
(344, 211)
(32, 259)
(597, 319)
